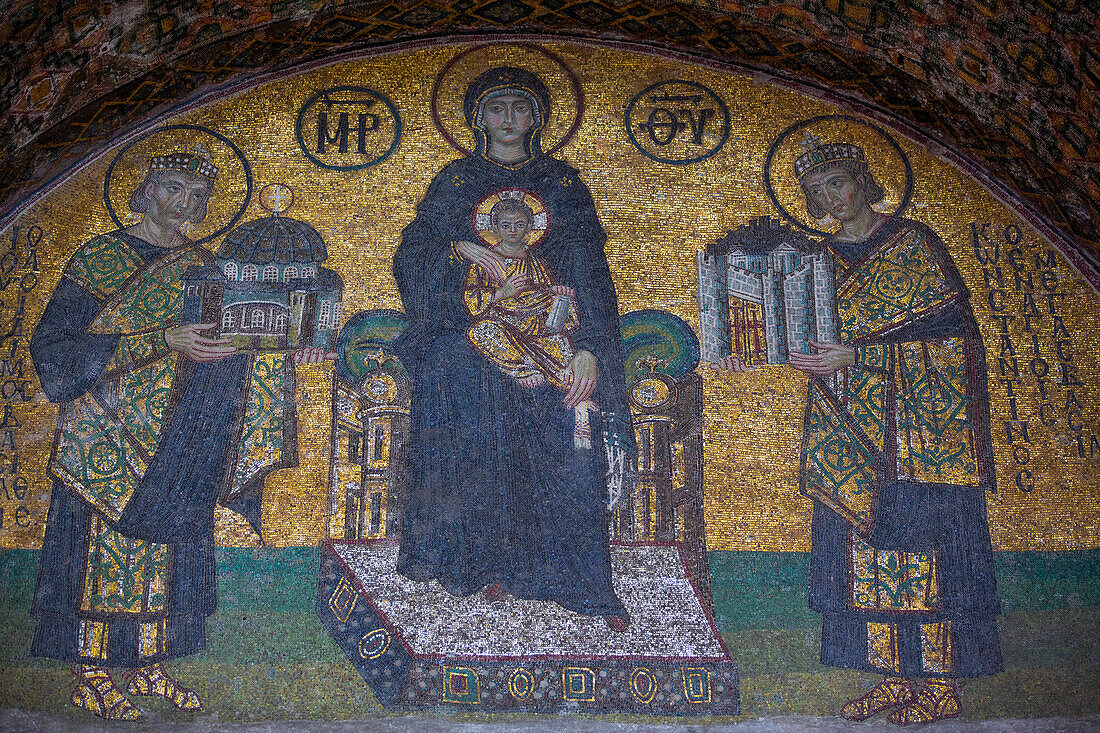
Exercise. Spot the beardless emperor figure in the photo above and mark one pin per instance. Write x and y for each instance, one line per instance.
(899, 406)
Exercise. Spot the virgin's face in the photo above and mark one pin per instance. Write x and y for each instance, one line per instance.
(507, 119)
(175, 198)
(837, 192)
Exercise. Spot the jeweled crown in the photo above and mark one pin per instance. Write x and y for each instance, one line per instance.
(818, 154)
(196, 160)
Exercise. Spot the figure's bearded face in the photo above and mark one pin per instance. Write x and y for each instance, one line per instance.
(176, 197)
(507, 119)
(837, 192)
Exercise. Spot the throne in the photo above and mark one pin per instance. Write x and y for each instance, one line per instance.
(370, 419)
(418, 647)
(666, 401)
(370, 425)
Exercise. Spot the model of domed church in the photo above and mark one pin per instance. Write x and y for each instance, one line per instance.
(268, 291)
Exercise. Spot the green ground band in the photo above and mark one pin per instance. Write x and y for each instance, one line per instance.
(268, 657)
(752, 590)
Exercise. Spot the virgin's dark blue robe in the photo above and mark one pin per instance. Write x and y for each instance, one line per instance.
(917, 516)
(496, 492)
(174, 503)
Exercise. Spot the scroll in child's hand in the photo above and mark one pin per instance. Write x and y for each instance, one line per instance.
(559, 313)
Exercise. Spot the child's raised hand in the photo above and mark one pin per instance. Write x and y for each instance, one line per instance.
(519, 281)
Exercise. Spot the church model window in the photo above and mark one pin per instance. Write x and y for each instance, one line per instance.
(227, 320)
(271, 274)
(280, 323)
(326, 311)
(249, 273)
(290, 273)
(257, 319)
(309, 272)
(231, 271)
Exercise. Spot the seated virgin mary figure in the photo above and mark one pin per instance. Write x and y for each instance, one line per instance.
(498, 498)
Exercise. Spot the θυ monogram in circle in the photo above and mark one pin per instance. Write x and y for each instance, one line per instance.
(348, 128)
(677, 122)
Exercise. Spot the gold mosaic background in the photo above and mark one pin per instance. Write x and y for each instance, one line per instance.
(656, 217)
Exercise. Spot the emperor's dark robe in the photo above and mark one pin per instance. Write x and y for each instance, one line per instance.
(904, 582)
(496, 492)
(143, 447)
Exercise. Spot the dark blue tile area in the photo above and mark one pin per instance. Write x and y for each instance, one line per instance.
(1037, 581)
(18, 573)
(758, 590)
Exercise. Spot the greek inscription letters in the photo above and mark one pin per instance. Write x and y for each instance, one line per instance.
(348, 128)
(1038, 373)
(367, 122)
(677, 122)
(19, 266)
(666, 122)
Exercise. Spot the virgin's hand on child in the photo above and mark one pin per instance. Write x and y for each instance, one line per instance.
(535, 380)
(188, 341)
(581, 374)
(830, 358)
(489, 260)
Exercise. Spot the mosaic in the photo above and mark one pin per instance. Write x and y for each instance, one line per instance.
(525, 344)
(1009, 85)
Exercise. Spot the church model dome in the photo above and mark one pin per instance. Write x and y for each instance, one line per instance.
(274, 239)
(268, 291)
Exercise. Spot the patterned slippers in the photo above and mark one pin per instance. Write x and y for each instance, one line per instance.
(95, 691)
(937, 700)
(892, 692)
(617, 623)
(154, 681)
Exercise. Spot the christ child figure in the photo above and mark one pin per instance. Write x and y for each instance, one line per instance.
(521, 322)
